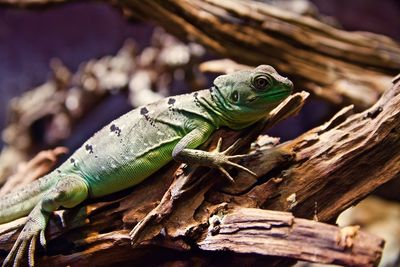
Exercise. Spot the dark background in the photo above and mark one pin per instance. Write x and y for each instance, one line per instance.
(80, 31)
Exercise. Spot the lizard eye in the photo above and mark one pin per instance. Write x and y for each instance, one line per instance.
(261, 82)
(235, 96)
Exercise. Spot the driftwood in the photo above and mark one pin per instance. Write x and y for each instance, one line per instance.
(317, 176)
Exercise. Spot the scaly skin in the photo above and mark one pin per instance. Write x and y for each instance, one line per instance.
(137, 144)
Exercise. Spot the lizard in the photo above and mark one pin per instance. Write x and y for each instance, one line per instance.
(140, 142)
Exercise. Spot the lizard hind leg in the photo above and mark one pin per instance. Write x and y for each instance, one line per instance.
(67, 192)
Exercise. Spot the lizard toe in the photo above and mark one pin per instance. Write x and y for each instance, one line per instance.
(242, 168)
(21, 253)
(11, 256)
(232, 147)
(26, 243)
(226, 174)
(42, 239)
(31, 251)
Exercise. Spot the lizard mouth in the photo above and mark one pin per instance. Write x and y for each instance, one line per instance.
(254, 98)
(278, 96)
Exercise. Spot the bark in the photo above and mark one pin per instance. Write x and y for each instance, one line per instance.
(246, 230)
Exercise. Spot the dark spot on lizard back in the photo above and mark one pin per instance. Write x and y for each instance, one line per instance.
(89, 148)
(115, 129)
(144, 111)
(171, 101)
(72, 160)
(212, 92)
(196, 100)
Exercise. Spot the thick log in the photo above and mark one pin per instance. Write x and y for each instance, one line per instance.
(247, 230)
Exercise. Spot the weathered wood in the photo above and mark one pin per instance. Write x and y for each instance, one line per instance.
(245, 230)
(343, 160)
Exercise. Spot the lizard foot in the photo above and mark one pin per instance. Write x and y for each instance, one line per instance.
(27, 239)
(68, 192)
(221, 158)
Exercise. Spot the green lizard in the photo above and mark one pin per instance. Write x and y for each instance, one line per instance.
(137, 144)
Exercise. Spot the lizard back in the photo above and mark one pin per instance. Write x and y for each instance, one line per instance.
(137, 144)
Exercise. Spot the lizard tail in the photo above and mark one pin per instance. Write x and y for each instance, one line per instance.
(20, 202)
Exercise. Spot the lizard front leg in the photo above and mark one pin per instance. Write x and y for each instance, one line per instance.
(217, 159)
(67, 192)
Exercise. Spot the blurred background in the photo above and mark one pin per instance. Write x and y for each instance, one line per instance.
(121, 64)
(77, 32)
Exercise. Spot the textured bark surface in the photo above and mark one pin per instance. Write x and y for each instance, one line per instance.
(265, 232)
(246, 230)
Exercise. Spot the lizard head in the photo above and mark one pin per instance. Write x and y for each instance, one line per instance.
(245, 97)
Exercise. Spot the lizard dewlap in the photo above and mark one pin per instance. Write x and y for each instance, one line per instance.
(134, 146)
